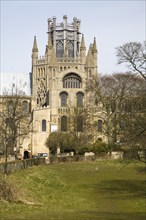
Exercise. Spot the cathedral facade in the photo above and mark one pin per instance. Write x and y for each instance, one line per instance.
(58, 85)
(59, 79)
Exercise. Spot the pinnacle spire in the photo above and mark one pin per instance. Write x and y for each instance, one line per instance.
(35, 48)
(83, 43)
(53, 57)
(89, 58)
(49, 42)
(94, 45)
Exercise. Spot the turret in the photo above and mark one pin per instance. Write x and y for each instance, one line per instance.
(50, 47)
(89, 59)
(34, 51)
(83, 50)
(95, 52)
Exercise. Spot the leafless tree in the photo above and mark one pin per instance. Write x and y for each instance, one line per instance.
(134, 54)
(15, 120)
(111, 91)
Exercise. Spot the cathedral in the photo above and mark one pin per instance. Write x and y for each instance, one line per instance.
(58, 83)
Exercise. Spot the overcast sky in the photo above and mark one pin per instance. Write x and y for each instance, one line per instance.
(113, 23)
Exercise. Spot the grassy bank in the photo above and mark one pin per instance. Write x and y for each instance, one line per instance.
(83, 190)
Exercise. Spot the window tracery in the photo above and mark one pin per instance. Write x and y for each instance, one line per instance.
(72, 80)
(41, 94)
(59, 49)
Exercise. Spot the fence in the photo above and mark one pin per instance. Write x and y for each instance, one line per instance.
(16, 165)
(20, 164)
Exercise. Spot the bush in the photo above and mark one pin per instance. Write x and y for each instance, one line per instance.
(88, 148)
(63, 140)
(114, 147)
(99, 147)
(8, 191)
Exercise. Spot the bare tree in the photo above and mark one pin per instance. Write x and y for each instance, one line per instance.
(133, 128)
(134, 54)
(15, 120)
(111, 91)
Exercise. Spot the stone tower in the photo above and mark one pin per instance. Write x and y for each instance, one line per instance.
(59, 78)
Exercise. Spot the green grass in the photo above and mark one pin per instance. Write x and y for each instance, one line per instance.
(74, 191)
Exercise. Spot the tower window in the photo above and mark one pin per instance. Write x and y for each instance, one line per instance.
(72, 80)
(70, 49)
(25, 107)
(43, 125)
(79, 99)
(63, 123)
(99, 125)
(63, 96)
(59, 49)
(80, 123)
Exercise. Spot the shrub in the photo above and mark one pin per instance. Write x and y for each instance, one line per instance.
(99, 147)
(8, 191)
(88, 148)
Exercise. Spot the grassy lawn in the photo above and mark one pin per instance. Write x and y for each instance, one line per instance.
(74, 191)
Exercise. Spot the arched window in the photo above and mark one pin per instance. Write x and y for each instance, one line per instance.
(70, 49)
(43, 125)
(47, 98)
(80, 99)
(79, 123)
(63, 96)
(59, 49)
(63, 123)
(10, 106)
(99, 125)
(72, 80)
(25, 107)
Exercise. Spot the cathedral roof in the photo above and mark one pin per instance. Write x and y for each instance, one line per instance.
(9, 81)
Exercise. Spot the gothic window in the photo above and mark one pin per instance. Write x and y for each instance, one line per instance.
(63, 123)
(42, 94)
(10, 106)
(72, 80)
(79, 123)
(43, 125)
(25, 107)
(47, 101)
(99, 125)
(80, 99)
(70, 49)
(63, 96)
(59, 49)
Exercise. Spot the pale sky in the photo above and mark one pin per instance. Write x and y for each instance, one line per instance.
(113, 23)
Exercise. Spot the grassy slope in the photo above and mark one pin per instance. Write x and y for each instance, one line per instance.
(79, 191)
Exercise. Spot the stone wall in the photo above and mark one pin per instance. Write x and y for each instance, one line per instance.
(101, 156)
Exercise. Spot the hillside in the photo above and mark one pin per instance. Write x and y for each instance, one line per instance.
(83, 190)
